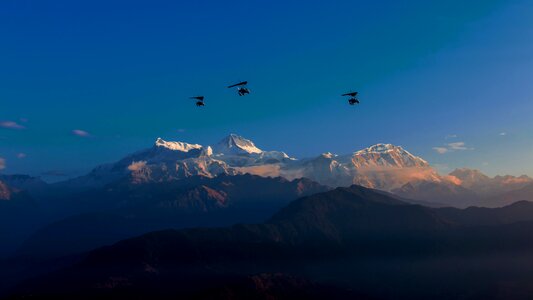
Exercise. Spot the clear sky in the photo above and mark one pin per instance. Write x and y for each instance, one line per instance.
(449, 80)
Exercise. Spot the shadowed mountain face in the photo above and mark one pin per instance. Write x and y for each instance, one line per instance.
(124, 210)
(339, 237)
(31, 185)
(20, 214)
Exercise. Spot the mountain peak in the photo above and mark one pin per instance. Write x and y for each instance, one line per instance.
(235, 144)
(176, 146)
(381, 148)
(391, 155)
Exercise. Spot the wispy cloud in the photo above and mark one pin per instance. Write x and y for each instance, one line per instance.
(450, 136)
(451, 147)
(2, 163)
(11, 125)
(458, 146)
(21, 155)
(81, 133)
(181, 130)
(440, 150)
(503, 133)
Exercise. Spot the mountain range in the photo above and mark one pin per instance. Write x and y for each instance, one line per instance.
(176, 185)
(124, 209)
(327, 238)
(176, 171)
(382, 166)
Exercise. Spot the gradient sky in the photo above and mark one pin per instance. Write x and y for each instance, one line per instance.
(450, 81)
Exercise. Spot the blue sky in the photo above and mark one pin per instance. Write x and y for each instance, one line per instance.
(448, 80)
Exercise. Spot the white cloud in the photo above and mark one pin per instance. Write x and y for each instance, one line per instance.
(11, 125)
(451, 147)
(440, 150)
(21, 155)
(137, 165)
(81, 133)
(2, 163)
(451, 136)
(457, 146)
(503, 133)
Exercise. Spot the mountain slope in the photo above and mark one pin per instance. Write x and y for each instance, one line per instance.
(236, 145)
(20, 214)
(124, 210)
(506, 198)
(443, 193)
(343, 227)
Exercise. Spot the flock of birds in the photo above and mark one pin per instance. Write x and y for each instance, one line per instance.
(243, 90)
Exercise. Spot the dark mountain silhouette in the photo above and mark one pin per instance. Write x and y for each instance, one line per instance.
(20, 214)
(123, 210)
(352, 231)
(482, 216)
(31, 185)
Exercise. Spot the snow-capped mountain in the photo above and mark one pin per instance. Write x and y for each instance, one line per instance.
(176, 146)
(243, 153)
(235, 145)
(382, 166)
(164, 161)
(386, 155)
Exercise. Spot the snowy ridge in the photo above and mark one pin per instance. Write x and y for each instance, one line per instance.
(387, 155)
(177, 146)
(235, 145)
(382, 166)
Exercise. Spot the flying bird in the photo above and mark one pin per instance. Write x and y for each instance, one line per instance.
(241, 88)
